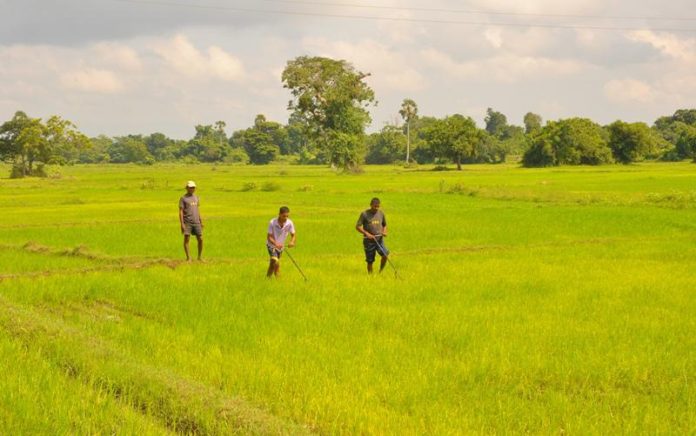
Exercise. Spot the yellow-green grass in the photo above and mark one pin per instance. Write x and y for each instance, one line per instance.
(539, 301)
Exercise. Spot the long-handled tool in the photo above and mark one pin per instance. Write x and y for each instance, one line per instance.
(384, 252)
(296, 265)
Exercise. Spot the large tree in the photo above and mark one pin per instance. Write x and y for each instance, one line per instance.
(331, 98)
(131, 148)
(632, 142)
(675, 129)
(209, 144)
(262, 142)
(572, 141)
(409, 112)
(532, 123)
(385, 146)
(454, 137)
(23, 143)
(496, 123)
(64, 141)
(686, 140)
(28, 144)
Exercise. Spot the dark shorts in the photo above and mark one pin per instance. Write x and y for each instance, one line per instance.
(372, 248)
(274, 253)
(193, 229)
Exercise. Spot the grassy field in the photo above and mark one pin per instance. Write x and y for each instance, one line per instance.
(553, 301)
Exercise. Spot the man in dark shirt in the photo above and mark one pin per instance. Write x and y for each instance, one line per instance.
(190, 219)
(373, 226)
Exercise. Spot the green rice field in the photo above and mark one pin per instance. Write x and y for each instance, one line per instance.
(543, 301)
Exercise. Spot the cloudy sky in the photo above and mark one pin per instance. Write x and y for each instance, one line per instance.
(140, 66)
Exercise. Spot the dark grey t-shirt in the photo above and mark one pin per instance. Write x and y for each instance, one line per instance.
(373, 222)
(189, 204)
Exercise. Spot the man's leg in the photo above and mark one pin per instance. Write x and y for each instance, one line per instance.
(382, 263)
(277, 268)
(271, 268)
(186, 246)
(200, 246)
(370, 251)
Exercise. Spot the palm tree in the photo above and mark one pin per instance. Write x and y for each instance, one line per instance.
(409, 112)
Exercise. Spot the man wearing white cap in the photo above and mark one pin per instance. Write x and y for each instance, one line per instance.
(190, 219)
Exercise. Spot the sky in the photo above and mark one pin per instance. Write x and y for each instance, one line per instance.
(119, 67)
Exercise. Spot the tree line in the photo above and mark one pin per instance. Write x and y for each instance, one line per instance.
(329, 112)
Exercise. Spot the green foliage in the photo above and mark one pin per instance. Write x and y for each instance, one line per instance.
(130, 148)
(162, 148)
(23, 143)
(330, 99)
(633, 142)
(572, 141)
(209, 143)
(675, 129)
(686, 140)
(98, 151)
(532, 123)
(409, 112)
(26, 142)
(422, 152)
(270, 187)
(387, 146)
(65, 141)
(488, 149)
(237, 155)
(262, 142)
(496, 123)
(454, 137)
(249, 186)
(345, 150)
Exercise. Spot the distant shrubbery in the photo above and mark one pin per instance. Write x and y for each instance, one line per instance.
(578, 141)
(29, 144)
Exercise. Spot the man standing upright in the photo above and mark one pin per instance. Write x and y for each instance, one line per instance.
(278, 230)
(190, 219)
(373, 225)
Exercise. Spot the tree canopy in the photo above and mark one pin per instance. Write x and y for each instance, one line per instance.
(571, 141)
(454, 137)
(331, 99)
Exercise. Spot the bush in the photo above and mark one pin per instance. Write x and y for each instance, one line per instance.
(270, 186)
(440, 168)
(573, 141)
(17, 172)
(237, 155)
(249, 186)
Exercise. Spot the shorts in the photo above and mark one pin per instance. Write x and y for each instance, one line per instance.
(193, 229)
(372, 248)
(274, 252)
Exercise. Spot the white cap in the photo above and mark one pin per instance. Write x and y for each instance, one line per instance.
(190, 184)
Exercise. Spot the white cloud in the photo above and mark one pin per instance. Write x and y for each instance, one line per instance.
(181, 55)
(507, 67)
(117, 55)
(668, 44)
(223, 65)
(494, 35)
(92, 80)
(390, 69)
(629, 91)
(675, 77)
